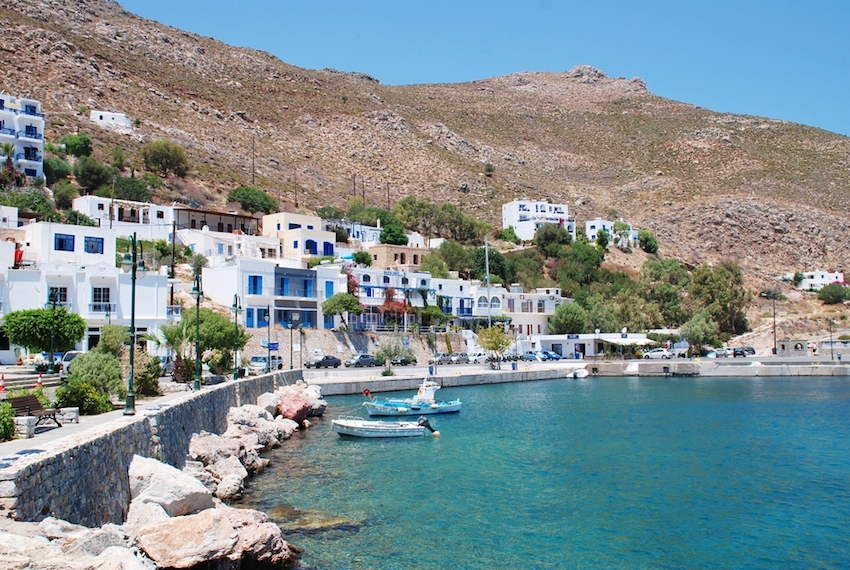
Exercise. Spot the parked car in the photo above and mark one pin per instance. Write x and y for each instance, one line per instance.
(403, 360)
(658, 353)
(361, 360)
(65, 363)
(533, 355)
(442, 358)
(459, 358)
(723, 352)
(551, 355)
(258, 363)
(476, 358)
(326, 361)
(166, 365)
(743, 351)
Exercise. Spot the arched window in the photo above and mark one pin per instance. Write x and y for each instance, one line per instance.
(367, 279)
(495, 303)
(482, 302)
(404, 281)
(386, 280)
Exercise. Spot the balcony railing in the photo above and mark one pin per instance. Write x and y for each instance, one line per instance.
(103, 307)
(464, 312)
(294, 292)
(173, 311)
(7, 131)
(66, 304)
(35, 136)
(31, 157)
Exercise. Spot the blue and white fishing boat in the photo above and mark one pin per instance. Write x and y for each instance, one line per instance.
(422, 403)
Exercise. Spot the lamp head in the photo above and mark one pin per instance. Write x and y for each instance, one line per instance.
(127, 262)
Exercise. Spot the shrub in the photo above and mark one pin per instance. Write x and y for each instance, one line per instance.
(91, 174)
(81, 394)
(362, 257)
(37, 392)
(387, 372)
(102, 371)
(832, 294)
(253, 199)
(7, 422)
(56, 169)
(146, 372)
(78, 144)
(162, 157)
(64, 192)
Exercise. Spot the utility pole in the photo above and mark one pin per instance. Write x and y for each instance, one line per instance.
(388, 195)
(487, 264)
(252, 161)
(112, 204)
(171, 274)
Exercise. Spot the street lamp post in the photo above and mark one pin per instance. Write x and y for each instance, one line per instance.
(54, 293)
(198, 295)
(301, 346)
(269, 339)
(830, 339)
(237, 308)
(595, 344)
(772, 294)
(135, 265)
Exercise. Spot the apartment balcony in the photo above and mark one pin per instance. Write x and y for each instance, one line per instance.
(294, 292)
(35, 136)
(67, 304)
(7, 133)
(464, 312)
(105, 308)
(29, 158)
(173, 312)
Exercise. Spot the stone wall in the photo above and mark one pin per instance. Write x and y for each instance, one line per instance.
(83, 479)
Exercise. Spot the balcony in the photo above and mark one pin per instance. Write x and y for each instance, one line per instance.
(36, 136)
(8, 132)
(103, 307)
(173, 311)
(295, 292)
(28, 157)
(464, 312)
(66, 304)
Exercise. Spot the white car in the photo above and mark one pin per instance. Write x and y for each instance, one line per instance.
(658, 353)
(476, 358)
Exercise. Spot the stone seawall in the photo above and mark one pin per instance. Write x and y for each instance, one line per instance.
(83, 478)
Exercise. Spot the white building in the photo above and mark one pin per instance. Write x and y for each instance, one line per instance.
(222, 247)
(373, 286)
(301, 236)
(22, 125)
(530, 311)
(526, 217)
(593, 227)
(108, 118)
(148, 221)
(78, 264)
(816, 280)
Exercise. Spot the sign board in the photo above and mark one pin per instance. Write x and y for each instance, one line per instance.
(273, 345)
(264, 343)
(296, 347)
(405, 341)
(572, 336)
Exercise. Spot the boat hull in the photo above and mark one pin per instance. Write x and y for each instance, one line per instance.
(366, 428)
(387, 408)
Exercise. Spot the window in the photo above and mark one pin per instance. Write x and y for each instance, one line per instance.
(160, 215)
(295, 245)
(219, 248)
(255, 285)
(540, 305)
(386, 280)
(404, 281)
(423, 283)
(100, 207)
(63, 242)
(93, 244)
(329, 289)
(367, 279)
(100, 300)
(60, 292)
(294, 226)
(309, 227)
(482, 302)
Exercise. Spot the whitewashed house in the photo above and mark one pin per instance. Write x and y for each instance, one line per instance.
(301, 236)
(593, 227)
(22, 125)
(109, 119)
(817, 280)
(526, 217)
(221, 247)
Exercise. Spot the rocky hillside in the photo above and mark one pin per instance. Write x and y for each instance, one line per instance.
(770, 194)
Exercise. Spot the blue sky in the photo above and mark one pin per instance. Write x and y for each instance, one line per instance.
(782, 59)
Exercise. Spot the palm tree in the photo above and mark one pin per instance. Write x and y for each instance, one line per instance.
(8, 150)
(176, 338)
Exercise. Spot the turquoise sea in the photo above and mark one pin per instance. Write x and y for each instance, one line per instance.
(590, 473)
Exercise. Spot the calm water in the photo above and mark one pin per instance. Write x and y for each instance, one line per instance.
(593, 473)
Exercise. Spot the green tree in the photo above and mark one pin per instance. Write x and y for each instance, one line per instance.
(253, 199)
(393, 234)
(495, 340)
(362, 257)
(330, 213)
(77, 144)
(569, 318)
(602, 239)
(550, 239)
(508, 234)
(340, 304)
(113, 339)
(648, 242)
(197, 262)
(798, 278)
(621, 234)
(56, 169)
(64, 192)
(164, 157)
(457, 258)
(76, 218)
(32, 329)
(721, 291)
(432, 263)
(119, 158)
(91, 174)
(832, 294)
(498, 266)
(34, 201)
(216, 333)
(700, 331)
(665, 282)
(176, 338)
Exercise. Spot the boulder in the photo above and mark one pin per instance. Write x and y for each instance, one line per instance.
(118, 558)
(260, 541)
(226, 466)
(313, 395)
(285, 427)
(142, 514)
(254, 419)
(96, 541)
(230, 487)
(183, 542)
(209, 447)
(196, 469)
(294, 407)
(269, 402)
(154, 482)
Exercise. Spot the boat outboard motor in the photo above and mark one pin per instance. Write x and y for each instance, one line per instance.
(423, 421)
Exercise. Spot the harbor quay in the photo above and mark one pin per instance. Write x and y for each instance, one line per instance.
(78, 472)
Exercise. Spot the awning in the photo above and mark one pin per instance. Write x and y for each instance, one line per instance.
(629, 341)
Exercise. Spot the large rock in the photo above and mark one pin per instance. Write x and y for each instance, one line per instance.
(254, 419)
(209, 447)
(154, 482)
(313, 395)
(183, 542)
(294, 407)
(118, 558)
(269, 402)
(260, 541)
(142, 514)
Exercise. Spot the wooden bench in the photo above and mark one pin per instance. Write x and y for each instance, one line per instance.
(30, 406)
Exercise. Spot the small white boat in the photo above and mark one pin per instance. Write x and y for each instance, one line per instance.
(577, 373)
(423, 403)
(358, 427)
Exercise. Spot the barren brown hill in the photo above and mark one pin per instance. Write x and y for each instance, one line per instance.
(772, 195)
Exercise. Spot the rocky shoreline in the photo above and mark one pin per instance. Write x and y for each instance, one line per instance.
(178, 519)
